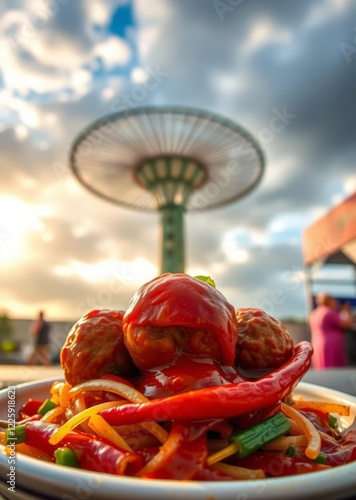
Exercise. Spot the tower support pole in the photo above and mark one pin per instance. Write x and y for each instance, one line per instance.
(172, 239)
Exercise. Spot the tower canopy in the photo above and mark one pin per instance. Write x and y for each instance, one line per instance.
(170, 159)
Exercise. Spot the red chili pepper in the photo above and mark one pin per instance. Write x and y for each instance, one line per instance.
(225, 401)
(34, 417)
(93, 452)
(180, 300)
(100, 457)
(38, 434)
(29, 408)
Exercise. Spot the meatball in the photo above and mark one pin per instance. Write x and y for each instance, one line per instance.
(174, 314)
(262, 342)
(155, 346)
(95, 347)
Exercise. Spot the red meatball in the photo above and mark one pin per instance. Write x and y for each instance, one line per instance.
(262, 342)
(174, 314)
(95, 347)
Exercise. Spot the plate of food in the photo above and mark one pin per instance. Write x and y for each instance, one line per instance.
(180, 396)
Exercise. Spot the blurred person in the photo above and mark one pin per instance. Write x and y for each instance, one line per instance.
(350, 335)
(328, 328)
(40, 332)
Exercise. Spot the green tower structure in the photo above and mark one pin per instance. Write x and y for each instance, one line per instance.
(168, 159)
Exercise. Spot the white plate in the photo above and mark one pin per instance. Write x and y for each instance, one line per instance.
(53, 481)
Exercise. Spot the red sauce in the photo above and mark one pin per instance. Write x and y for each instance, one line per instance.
(187, 372)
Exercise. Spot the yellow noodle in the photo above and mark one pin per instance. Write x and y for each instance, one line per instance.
(284, 442)
(156, 430)
(51, 415)
(125, 391)
(103, 429)
(297, 430)
(78, 419)
(314, 441)
(239, 472)
(222, 454)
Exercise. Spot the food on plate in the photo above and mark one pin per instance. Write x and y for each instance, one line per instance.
(95, 347)
(263, 341)
(156, 393)
(176, 314)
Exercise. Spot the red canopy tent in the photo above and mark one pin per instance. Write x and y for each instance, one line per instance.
(331, 240)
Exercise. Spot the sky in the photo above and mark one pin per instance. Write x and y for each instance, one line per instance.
(66, 63)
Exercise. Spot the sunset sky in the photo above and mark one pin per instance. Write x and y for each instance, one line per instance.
(66, 63)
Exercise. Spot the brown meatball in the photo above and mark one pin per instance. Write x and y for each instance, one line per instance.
(262, 342)
(95, 347)
(152, 346)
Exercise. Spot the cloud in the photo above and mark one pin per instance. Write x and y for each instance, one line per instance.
(46, 55)
(113, 52)
(262, 59)
(100, 13)
(280, 291)
(263, 33)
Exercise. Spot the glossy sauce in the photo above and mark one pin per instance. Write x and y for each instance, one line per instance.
(187, 372)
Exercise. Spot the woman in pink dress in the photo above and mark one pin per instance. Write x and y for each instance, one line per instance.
(327, 333)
